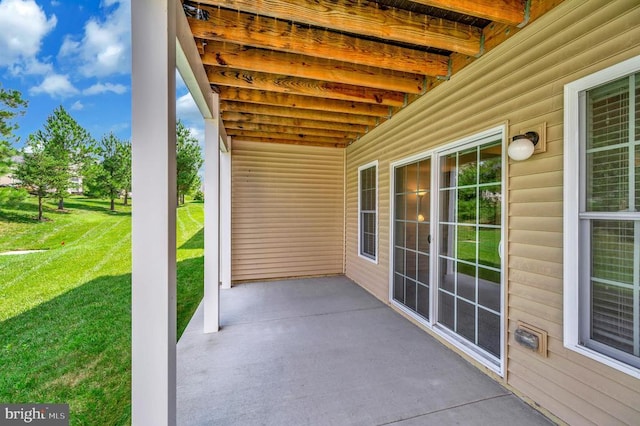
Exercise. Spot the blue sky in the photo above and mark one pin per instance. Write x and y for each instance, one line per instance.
(75, 53)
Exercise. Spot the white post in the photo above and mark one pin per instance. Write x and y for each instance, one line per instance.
(225, 218)
(153, 302)
(212, 222)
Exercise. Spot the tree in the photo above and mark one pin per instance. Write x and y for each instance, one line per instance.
(69, 143)
(11, 103)
(188, 160)
(40, 171)
(126, 159)
(109, 175)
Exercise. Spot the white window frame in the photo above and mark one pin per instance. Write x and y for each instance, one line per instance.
(360, 229)
(474, 352)
(572, 185)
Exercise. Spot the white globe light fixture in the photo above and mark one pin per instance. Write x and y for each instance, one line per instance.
(522, 146)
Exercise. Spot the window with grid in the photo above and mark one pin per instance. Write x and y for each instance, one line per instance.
(608, 215)
(368, 210)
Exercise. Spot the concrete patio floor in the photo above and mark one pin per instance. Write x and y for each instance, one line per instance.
(323, 351)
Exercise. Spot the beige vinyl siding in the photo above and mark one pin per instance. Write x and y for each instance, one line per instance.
(288, 211)
(521, 83)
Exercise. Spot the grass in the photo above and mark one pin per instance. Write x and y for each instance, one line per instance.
(65, 313)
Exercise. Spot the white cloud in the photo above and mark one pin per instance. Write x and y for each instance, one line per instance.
(77, 106)
(100, 88)
(24, 25)
(55, 85)
(187, 110)
(105, 47)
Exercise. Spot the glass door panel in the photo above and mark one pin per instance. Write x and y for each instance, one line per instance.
(412, 239)
(470, 229)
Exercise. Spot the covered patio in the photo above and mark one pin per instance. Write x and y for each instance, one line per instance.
(323, 351)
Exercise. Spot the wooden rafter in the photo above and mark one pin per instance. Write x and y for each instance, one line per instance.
(300, 137)
(332, 117)
(510, 12)
(293, 122)
(327, 143)
(301, 86)
(264, 97)
(252, 59)
(272, 128)
(269, 33)
(365, 17)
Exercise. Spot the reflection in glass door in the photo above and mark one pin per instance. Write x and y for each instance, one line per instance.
(469, 234)
(412, 237)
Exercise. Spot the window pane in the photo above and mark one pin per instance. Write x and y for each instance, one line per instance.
(410, 294)
(446, 311)
(399, 261)
(412, 235)
(608, 180)
(466, 243)
(608, 114)
(447, 205)
(411, 184)
(466, 281)
(400, 179)
(423, 301)
(489, 331)
(491, 163)
(489, 288)
(447, 277)
(447, 242)
(423, 237)
(399, 234)
(398, 288)
(447, 169)
(412, 206)
(490, 205)
(410, 259)
(467, 202)
(612, 250)
(466, 320)
(423, 268)
(468, 168)
(612, 316)
(400, 207)
(488, 242)
(424, 176)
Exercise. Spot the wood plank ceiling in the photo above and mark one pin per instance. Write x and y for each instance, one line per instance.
(325, 72)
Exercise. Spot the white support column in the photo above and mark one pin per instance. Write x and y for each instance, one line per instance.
(153, 302)
(225, 217)
(212, 222)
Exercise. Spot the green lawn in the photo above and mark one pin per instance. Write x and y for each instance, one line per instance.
(65, 313)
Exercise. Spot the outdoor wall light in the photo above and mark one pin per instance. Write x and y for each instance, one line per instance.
(522, 146)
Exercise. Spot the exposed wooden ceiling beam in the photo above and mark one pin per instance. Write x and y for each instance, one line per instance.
(269, 61)
(268, 33)
(302, 86)
(367, 18)
(332, 144)
(288, 136)
(272, 128)
(510, 12)
(307, 114)
(264, 97)
(295, 122)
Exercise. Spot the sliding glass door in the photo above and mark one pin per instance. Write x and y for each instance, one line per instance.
(470, 229)
(462, 296)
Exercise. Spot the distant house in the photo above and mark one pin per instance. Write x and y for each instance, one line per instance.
(76, 180)
(8, 179)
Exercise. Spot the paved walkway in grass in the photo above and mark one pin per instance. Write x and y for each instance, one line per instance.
(322, 351)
